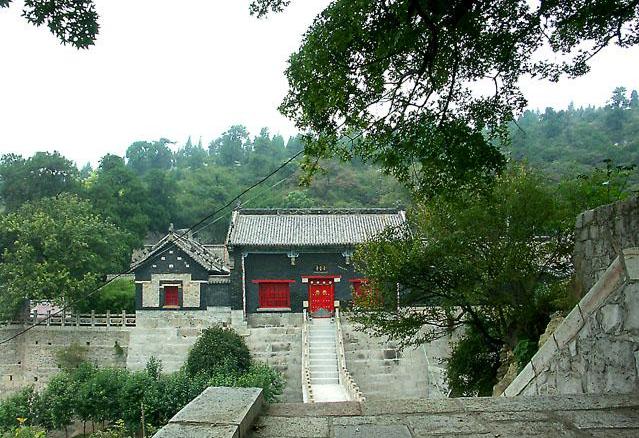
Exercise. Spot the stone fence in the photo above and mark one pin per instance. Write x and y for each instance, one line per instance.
(599, 235)
(108, 319)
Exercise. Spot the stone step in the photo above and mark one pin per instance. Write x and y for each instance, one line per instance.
(324, 374)
(324, 380)
(323, 356)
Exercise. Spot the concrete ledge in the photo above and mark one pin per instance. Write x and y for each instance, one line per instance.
(217, 412)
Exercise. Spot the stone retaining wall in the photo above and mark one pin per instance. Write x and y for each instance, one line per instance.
(597, 232)
(30, 359)
(595, 349)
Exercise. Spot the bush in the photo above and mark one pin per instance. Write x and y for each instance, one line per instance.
(21, 405)
(263, 376)
(115, 297)
(218, 351)
(472, 368)
(26, 432)
(523, 352)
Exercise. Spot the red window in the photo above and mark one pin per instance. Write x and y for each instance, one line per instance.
(274, 294)
(364, 295)
(359, 286)
(171, 296)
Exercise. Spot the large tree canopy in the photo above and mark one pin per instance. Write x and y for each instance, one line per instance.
(425, 85)
(58, 249)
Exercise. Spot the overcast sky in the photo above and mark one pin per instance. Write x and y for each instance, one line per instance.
(173, 69)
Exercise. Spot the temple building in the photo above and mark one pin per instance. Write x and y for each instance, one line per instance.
(274, 261)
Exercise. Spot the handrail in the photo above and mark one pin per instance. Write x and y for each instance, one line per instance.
(345, 377)
(92, 319)
(307, 390)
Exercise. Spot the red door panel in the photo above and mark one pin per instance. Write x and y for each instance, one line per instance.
(171, 296)
(321, 295)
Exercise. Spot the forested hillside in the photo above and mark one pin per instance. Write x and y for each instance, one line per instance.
(160, 182)
(576, 140)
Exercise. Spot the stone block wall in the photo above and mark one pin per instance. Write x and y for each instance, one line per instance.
(384, 372)
(30, 358)
(595, 350)
(596, 232)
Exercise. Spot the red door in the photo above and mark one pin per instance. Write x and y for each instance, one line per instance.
(321, 293)
(171, 297)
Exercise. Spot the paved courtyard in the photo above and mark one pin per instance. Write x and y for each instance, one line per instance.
(607, 416)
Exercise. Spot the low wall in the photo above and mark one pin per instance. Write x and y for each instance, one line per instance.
(595, 349)
(30, 358)
(597, 232)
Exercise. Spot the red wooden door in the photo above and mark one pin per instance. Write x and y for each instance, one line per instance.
(171, 296)
(321, 295)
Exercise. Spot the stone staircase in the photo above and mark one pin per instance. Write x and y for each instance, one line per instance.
(323, 352)
(383, 372)
(323, 364)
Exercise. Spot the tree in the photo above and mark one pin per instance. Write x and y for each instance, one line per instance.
(144, 156)
(191, 156)
(56, 249)
(497, 261)
(42, 175)
(634, 99)
(161, 189)
(119, 194)
(405, 77)
(73, 22)
(230, 149)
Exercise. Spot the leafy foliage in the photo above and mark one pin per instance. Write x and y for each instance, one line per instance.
(218, 351)
(495, 260)
(118, 396)
(56, 249)
(114, 297)
(73, 22)
(422, 88)
(472, 367)
(579, 140)
(40, 176)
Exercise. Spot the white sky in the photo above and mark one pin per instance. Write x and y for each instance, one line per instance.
(194, 67)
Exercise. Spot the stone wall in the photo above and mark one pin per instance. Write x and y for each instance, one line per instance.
(384, 372)
(595, 349)
(30, 359)
(597, 232)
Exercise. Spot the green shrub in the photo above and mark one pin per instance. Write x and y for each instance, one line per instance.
(218, 350)
(115, 297)
(523, 352)
(472, 368)
(26, 432)
(21, 405)
(260, 375)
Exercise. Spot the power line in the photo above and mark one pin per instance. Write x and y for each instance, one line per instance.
(128, 271)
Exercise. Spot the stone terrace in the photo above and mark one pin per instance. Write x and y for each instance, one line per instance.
(553, 416)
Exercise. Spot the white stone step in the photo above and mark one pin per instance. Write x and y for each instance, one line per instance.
(324, 380)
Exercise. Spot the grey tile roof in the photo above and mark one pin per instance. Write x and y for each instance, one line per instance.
(309, 227)
(204, 256)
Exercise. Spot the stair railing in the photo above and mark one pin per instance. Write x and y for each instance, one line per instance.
(307, 390)
(345, 377)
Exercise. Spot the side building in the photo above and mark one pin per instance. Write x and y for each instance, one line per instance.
(180, 273)
(284, 257)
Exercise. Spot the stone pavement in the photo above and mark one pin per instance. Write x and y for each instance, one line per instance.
(547, 416)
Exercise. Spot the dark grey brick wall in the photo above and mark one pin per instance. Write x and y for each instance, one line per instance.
(277, 266)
